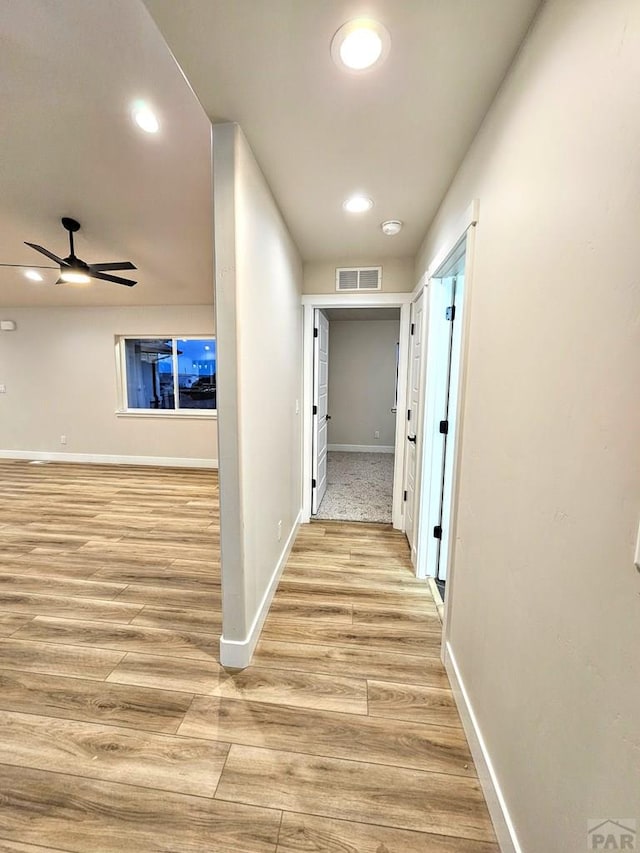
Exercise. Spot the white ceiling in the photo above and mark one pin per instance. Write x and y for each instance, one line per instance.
(398, 132)
(69, 71)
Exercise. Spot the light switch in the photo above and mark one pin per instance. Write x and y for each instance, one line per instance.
(3, 389)
(636, 559)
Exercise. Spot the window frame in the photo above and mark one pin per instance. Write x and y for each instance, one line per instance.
(123, 410)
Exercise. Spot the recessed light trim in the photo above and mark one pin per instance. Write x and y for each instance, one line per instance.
(33, 275)
(391, 227)
(360, 44)
(145, 118)
(358, 203)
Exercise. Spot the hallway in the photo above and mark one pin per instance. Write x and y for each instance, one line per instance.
(120, 730)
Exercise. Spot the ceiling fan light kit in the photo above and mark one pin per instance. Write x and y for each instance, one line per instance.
(74, 270)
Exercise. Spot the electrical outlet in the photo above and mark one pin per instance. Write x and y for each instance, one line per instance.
(636, 558)
(3, 389)
(279, 530)
(376, 434)
(63, 439)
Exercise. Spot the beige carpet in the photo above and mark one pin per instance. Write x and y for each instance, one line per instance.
(359, 487)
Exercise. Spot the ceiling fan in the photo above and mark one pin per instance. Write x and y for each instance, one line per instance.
(76, 271)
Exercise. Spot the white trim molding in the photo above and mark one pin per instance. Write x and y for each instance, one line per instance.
(362, 299)
(108, 459)
(502, 823)
(237, 654)
(171, 414)
(469, 218)
(362, 448)
(310, 302)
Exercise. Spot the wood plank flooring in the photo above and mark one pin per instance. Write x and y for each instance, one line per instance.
(120, 731)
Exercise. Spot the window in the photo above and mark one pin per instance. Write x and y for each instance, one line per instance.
(168, 374)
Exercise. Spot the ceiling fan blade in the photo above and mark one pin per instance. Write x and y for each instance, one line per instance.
(101, 276)
(28, 266)
(115, 265)
(46, 252)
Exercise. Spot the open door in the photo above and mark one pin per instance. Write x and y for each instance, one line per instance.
(412, 421)
(441, 420)
(443, 459)
(320, 403)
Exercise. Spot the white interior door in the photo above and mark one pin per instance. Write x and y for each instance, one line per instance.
(441, 419)
(320, 403)
(411, 423)
(455, 290)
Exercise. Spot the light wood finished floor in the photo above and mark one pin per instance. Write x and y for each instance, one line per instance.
(119, 730)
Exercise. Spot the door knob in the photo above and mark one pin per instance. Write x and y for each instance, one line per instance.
(412, 438)
(328, 417)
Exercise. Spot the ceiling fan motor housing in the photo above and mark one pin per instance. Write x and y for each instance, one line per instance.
(70, 224)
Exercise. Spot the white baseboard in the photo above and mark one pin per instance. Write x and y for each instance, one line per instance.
(108, 459)
(362, 448)
(236, 654)
(502, 823)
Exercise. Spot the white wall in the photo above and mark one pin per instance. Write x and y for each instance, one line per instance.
(259, 316)
(545, 621)
(397, 274)
(362, 377)
(59, 369)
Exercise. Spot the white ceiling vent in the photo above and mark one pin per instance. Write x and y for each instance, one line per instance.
(358, 278)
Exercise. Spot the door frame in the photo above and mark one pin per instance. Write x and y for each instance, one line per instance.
(353, 300)
(443, 354)
(466, 226)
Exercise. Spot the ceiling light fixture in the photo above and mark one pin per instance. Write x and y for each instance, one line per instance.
(75, 277)
(391, 227)
(145, 118)
(360, 44)
(358, 204)
(32, 275)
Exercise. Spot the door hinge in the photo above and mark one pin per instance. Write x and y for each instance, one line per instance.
(315, 333)
(450, 313)
(313, 484)
(408, 414)
(444, 427)
(413, 328)
(404, 496)
(315, 410)
(437, 532)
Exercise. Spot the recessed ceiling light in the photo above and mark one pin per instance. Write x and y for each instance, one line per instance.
(391, 227)
(32, 275)
(358, 204)
(360, 44)
(145, 118)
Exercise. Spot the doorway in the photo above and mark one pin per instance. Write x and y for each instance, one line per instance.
(440, 425)
(354, 437)
(355, 386)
